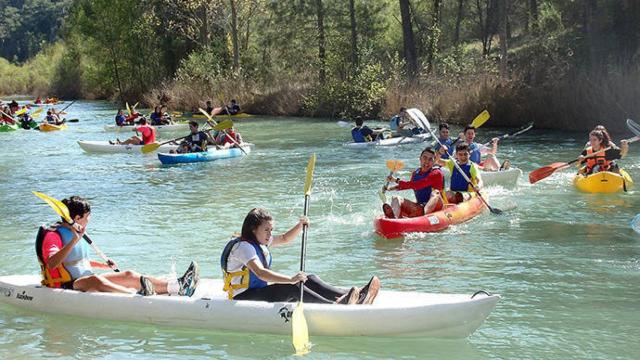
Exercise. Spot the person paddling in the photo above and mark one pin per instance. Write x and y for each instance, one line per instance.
(196, 141)
(148, 133)
(605, 154)
(64, 261)
(427, 183)
(246, 266)
(443, 136)
(362, 133)
(458, 185)
(476, 150)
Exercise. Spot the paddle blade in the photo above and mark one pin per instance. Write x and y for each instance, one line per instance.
(223, 125)
(543, 172)
(634, 127)
(36, 113)
(419, 118)
(300, 331)
(128, 109)
(21, 111)
(203, 111)
(150, 148)
(310, 167)
(395, 165)
(56, 205)
(480, 119)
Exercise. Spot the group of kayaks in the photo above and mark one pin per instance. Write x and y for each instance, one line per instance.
(165, 151)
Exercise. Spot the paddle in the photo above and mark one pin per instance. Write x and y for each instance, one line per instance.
(210, 119)
(518, 132)
(154, 146)
(545, 171)
(299, 329)
(633, 126)
(480, 119)
(63, 211)
(393, 166)
(416, 113)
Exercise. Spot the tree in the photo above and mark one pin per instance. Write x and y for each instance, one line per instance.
(410, 56)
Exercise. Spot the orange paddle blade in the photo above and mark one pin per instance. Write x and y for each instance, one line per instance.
(541, 173)
(395, 165)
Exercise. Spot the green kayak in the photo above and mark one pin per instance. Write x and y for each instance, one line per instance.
(8, 127)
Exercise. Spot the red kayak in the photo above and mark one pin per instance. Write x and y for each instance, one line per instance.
(437, 221)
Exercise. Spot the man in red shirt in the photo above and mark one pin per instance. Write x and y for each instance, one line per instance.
(148, 133)
(426, 182)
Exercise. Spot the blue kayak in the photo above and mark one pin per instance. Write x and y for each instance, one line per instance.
(209, 155)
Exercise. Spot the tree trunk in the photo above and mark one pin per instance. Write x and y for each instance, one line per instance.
(115, 71)
(354, 36)
(321, 42)
(533, 10)
(234, 34)
(410, 56)
(502, 32)
(435, 35)
(456, 35)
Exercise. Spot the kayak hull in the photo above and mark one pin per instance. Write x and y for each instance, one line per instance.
(51, 127)
(437, 221)
(202, 116)
(507, 178)
(8, 127)
(394, 313)
(389, 142)
(105, 148)
(603, 182)
(209, 155)
(159, 128)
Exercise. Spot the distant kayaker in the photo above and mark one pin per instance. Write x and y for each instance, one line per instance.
(458, 185)
(53, 118)
(362, 133)
(443, 136)
(196, 141)
(38, 100)
(427, 183)
(64, 261)
(232, 109)
(604, 160)
(246, 265)
(224, 138)
(476, 150)
(160, 117)
(121, 119)
(398, 122)
(209, 108)
(148, 133)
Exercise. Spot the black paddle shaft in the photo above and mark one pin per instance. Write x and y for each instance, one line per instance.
(303, 251)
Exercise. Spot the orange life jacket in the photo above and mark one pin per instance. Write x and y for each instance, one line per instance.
(53, 278)
(599, 160)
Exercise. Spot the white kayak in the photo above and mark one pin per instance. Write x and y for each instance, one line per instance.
(395, 141)
(507, 178)
(394, 313)
(105, 147)
(159, 128)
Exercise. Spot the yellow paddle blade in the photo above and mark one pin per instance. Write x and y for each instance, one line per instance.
(310, 167)
(395, 165)
(21, 111)
(205, 113)
(134, 106)
(56, 204)
(150, 148)
(226, 124)
(36, 113)
(480, 119)
(128, 108)
(300, 331)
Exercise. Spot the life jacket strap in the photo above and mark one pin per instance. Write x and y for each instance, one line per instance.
(229, 276)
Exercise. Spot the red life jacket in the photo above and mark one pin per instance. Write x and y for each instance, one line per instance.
(599, 160)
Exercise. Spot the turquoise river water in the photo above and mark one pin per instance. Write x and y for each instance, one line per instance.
(567, 264)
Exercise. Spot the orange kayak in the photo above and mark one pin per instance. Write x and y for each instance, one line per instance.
(437, 221)
(52, 127)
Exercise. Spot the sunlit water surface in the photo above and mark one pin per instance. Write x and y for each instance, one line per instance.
(566, 263)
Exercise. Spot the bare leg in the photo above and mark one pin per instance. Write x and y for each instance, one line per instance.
(433, 202)
(134, 140)
(491, 163)
(100, 284)
(405, 208)
(131, 279)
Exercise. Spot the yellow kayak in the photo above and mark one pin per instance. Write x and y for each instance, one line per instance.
(51, 127)
(603, 182)
(236, 116)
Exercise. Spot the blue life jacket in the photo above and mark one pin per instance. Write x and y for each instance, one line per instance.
(458, 182)
(394, 122)
(357, 135)
(474, 152)
(121, 120)
(422, 195)
(250, 282)
(450, 149)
